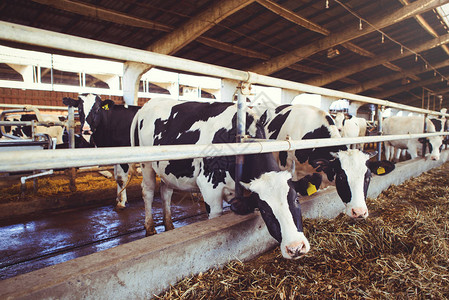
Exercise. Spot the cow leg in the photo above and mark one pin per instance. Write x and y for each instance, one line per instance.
(121, 177)
(148, 187)
(213, 197)
(387, 151)
(398, 153)
(166, 194)
(413, 152)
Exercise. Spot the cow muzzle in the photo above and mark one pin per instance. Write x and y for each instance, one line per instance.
(359, 213)
(435, 157)
(296, 249)
(86, 130)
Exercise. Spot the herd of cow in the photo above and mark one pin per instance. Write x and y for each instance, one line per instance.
(271, 181)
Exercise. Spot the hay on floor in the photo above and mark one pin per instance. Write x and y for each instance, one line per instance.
(400, 252)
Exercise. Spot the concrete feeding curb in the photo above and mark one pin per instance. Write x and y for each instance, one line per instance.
(145, 267)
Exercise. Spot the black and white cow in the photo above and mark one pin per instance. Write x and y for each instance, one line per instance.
(406, 125)
(55, 132)
(171, 122)
(350, 168)
(109, 125)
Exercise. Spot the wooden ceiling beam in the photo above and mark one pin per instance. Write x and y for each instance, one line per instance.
(301, 21)
(405, 88)
(282, 61)
(426, 26)
(103, 14)
(356, 49)
(389, 56)
(293, 17)
(197, 25)
(123, 19)
(370, 84)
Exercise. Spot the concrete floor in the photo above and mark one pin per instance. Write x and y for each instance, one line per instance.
(29, 245)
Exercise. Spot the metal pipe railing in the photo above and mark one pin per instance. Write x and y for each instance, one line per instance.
(34, 36)
(27, 160)
(44, 107)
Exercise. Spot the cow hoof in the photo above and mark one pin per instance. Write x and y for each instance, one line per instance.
(120, 207)
(169, 227)
(150, 232)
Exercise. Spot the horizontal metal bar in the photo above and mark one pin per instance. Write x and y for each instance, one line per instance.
(27, 160)
(48, 107)
(30, 123)
(34, 36)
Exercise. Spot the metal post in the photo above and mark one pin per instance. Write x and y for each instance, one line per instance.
(379, 131)
(71, 132)
(424, 145)
(241, 125)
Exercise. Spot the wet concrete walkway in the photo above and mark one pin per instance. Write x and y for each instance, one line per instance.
(33, 244)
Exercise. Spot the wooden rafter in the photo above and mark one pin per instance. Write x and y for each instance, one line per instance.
(389, 56)
(367, 85)
(197, 25)
(284, 60)
(124, 19)
(405, 88)
(301, 21)
(425, 25)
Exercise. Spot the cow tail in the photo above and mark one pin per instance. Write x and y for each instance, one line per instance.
(133, 134)
(132, 169)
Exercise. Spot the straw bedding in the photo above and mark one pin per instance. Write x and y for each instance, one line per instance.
(400, 252)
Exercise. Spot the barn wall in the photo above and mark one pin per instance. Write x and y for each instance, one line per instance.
(49, 98)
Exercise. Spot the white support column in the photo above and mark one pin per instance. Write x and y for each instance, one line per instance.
(171, 87)
(287, 96)
(132, 72)
(228, 89)
(25, 71)
(326, 102)
(112, 80)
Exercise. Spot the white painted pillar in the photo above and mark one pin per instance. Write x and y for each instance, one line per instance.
(25, 71)
(287, 96)
(132, 72)
(326, 102)
(113, 81)
(228, 89)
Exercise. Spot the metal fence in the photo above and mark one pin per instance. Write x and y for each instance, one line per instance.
(49, 159)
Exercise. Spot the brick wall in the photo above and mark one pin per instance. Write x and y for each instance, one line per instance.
(49, 98)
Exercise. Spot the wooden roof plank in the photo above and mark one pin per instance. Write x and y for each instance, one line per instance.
(345, 35)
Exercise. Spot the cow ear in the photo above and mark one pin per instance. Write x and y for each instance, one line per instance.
(71, 102)
(325, 166)
(107, 104)
(423, 140)
(307, 185)
(382, 167)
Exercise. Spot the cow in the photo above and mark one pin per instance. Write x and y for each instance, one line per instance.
(351, 126)
(350, 168)
(109, 126)
(20, 131)
(409, 125)
(163, 121)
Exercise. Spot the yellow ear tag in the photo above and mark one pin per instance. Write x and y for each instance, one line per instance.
(105, 107)
(311, 189)
(380, 170)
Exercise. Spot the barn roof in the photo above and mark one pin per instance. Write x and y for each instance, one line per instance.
(390, 49)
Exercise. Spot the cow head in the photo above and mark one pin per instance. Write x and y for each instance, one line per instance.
(435, 145)
(88, 106)
(351, 170)
(339, 120)
(281, 212)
